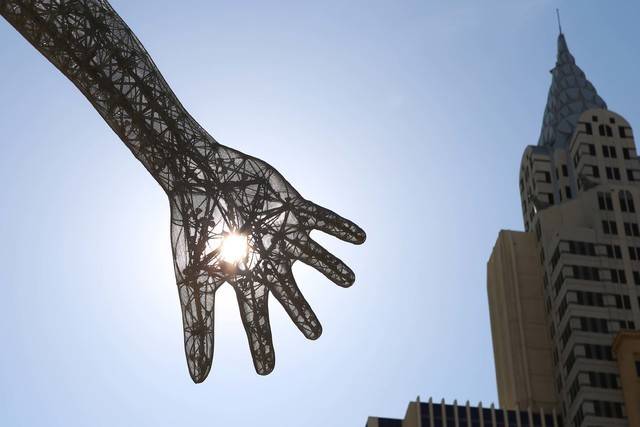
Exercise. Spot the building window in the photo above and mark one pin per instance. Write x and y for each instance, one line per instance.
(634, 253)
(607, 409)
(618, 276)
(593, 324)
(604, 201)
(610, 227)
(614, 251)
(631, 229)
(597, 352)
(565, 171)
(583, 272)
(588, 129)
(612, 173)
(626, 201)
(605, 130)
(581, 248)
(603, 380)
(622, 130)
(567, 191)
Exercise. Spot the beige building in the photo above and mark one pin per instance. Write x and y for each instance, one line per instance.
(560, 291)
(564, 294)
(626, 350)
(521, 345)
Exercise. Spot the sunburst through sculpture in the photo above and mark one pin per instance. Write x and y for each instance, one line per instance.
(234, 218)
(234, 248)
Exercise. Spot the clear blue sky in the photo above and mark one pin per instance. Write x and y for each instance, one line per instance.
(409, 117)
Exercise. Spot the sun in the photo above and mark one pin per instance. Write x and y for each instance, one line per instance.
(234, 248)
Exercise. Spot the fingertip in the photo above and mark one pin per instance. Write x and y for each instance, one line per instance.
(346, 282)
(360, 236)
(199, 377)
(313, 334)
(265, 368)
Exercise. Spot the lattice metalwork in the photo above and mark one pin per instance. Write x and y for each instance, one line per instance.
(569, 96)
(214, 191)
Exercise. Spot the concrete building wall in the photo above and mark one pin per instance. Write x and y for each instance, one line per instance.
(586, 237)
(626, 349)
(521, 344)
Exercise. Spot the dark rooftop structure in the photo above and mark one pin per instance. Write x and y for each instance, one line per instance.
(430, 414)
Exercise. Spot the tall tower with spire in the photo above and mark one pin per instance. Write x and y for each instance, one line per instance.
(564, 295)
(563, 290)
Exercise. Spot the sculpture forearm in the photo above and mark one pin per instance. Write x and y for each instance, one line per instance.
(96, 50)
(215, 193)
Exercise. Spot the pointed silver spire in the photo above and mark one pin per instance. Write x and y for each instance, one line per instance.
(569, 96)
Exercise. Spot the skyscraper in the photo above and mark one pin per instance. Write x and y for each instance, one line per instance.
(561, 291)
(564, 294)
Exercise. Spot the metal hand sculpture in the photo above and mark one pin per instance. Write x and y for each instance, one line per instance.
(216, 194)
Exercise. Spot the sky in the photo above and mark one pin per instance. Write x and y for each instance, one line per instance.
(408, 117)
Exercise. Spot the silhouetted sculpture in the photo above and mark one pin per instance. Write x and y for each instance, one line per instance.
(213, 190)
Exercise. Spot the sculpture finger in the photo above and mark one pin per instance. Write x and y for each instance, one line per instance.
(254, 312)
(288, 294)
(311, 253)
(331, 223)
(197, 301)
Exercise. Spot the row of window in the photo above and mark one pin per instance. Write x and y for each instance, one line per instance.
(594, 325)
(589, 249)
(593, 299)
(448, 414)
(586, 249)
(612, 172)
(593, 274)
(601, 408)
(591, 351)
(630, 228)
(593, 379)
(606, 130)
(608, 151)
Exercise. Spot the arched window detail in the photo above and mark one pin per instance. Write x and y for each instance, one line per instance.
(626, 201)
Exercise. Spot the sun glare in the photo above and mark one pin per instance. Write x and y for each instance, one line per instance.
(234, 248)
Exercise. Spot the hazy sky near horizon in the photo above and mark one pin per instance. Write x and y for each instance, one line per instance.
(408, 117)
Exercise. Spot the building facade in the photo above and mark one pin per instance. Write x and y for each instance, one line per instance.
(432, 414)
(577, 265)
(564, 295)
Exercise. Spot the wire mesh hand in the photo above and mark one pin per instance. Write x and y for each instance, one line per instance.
(217, 195)
(250, 202)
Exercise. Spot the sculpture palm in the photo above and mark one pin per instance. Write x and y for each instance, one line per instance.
(213, 190)
(252, 199)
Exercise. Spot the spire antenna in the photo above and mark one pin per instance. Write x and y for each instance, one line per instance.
(558, 15)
